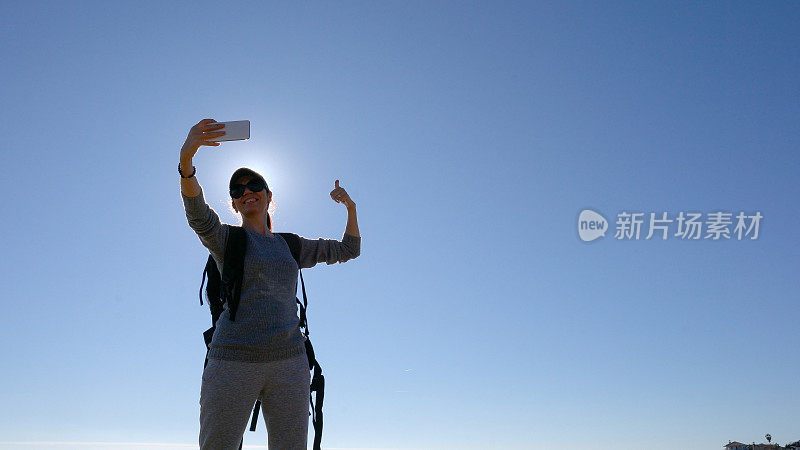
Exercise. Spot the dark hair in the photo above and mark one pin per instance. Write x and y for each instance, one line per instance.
(245, 172)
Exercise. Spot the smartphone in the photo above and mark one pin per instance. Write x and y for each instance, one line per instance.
(234, 131)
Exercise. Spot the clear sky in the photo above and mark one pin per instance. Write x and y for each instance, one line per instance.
(470, 135)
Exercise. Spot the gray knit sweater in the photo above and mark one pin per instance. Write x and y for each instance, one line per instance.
(266, 326)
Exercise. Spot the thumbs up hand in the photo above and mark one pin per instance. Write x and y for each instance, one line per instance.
(339, 195)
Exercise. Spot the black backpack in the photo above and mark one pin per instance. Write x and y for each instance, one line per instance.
(228, 288)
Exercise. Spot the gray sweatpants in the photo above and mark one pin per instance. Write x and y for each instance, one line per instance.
(231, 388)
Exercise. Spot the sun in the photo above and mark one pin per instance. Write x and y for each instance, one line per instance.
(271, 161)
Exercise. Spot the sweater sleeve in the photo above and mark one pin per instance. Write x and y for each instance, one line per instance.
(206, 224)
(329, 251)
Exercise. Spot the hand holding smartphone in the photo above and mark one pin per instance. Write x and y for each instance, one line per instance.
(236, 130)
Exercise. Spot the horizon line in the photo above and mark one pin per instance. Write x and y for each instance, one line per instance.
(159, 444)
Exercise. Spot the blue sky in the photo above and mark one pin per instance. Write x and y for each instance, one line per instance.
(470, 135)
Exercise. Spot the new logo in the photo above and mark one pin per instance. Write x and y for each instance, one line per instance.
(591, 225)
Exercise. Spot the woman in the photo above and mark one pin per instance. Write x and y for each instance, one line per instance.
(261, 354)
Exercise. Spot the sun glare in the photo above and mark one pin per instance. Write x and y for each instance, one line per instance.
(269, 160)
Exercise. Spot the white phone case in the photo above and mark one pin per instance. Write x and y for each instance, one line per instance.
(234, 131)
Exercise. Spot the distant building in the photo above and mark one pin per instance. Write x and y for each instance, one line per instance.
(737, 446)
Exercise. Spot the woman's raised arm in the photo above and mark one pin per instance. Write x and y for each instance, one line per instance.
(331, 251)
(339, 195)
(202, 219)
(198, 135)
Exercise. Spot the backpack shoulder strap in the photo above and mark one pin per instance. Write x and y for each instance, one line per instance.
(293, 241)
(233, 268)
(217, 292)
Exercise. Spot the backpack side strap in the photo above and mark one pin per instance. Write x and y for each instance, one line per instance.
(233, 268)
(317, 380)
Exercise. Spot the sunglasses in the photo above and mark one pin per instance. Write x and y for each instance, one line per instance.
(254, 185)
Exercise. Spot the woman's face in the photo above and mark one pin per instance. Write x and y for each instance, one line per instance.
(251, 203)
